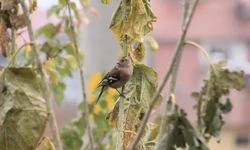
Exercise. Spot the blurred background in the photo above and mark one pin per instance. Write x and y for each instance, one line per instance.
(221, 26)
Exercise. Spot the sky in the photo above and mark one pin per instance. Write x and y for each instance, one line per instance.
(45, 4)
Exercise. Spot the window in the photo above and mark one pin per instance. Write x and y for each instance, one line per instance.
(236, 54)
(243, 10)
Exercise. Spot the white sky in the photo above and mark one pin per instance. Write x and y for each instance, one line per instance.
(45, 4)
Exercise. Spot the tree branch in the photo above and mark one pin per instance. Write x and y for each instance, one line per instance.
(77, 55)
(47, 94)
(173, 66)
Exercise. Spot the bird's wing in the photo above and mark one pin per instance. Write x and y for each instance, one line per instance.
(110, 77)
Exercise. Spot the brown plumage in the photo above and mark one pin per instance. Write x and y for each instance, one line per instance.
(118, 76)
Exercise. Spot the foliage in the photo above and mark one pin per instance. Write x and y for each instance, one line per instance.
(213, 99)
(73, 133)
(181, 134)
(23, 112)
(47, 144)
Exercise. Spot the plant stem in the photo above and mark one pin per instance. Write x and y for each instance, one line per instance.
(77, 55)
(47, 93)
(174, 65)
(13, 40)
(203, 50)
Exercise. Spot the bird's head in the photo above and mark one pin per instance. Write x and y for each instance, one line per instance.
(125, 62)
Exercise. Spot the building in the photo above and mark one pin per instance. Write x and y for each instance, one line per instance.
(223, 28)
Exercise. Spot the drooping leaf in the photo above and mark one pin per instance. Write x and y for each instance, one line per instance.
(138, 91)
(4, 39)
(180, 133)
(210, 99)
(55, 9)
(49, 30)
(138, 53)
(71, 138)
(105, 1)
(18, 21)
(132, 18)
(152, 43)
(8, 4)
(47, 144)
(23, 110)
(32, 6)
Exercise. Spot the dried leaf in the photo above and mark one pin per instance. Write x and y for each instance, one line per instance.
(33, 5)
(152, 43)
(18, 21)
(47, 144)
(8, 4)
(138, 53)
(105, 1)
(23, 110)
(210, 98)
(181, 134)
(132, 18)
(139, 91)
(4, 39)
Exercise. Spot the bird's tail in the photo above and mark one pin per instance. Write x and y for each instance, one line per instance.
(99, 96)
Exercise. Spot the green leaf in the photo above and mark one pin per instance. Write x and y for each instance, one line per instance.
(132, 18)
(69, 48)
(209, 99)
(49, 30)
(180, 133)
(84, 2)
(54, 10)
(152, 43)
(59, 89)
(106, 1)
(47, 144)
(52, 48)
(63, 2)
(72, 138)
(23, 113)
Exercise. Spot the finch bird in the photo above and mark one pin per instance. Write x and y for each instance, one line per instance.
(118, 76)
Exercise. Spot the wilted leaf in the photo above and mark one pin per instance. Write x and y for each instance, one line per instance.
(152, 43)
(139, 91)
(132, 18)
(22, 110)
(210, 98)
(8, 4)
(180, 134)
(71, 60)
(18, 21)
(47, 144)
(52, 72)
(139, 52)
(4, 39)
(105, 1)
(32, 6)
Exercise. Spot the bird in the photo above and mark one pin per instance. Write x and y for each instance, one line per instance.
(118, 76)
